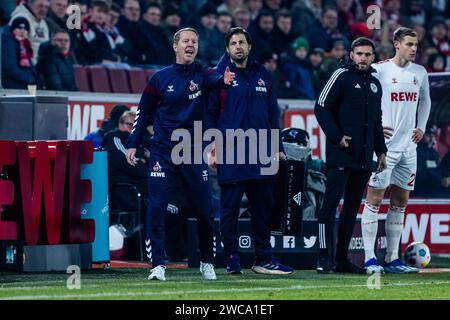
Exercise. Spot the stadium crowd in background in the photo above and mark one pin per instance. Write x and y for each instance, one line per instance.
(124, 33)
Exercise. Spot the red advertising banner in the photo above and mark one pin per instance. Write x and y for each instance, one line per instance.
(86, 116)
(41, 192)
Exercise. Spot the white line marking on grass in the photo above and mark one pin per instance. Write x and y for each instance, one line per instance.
(232, 290)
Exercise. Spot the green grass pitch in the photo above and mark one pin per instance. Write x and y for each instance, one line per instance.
(186, 284)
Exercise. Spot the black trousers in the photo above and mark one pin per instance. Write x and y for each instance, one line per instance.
(351, 184)
(261, 199)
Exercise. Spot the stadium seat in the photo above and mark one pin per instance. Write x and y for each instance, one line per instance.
(119, 80)
(130, 216)
(81, 78)
(137, 79)
(99, 79)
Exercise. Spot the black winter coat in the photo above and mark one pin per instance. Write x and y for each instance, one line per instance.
(56, 69)
(350, 104)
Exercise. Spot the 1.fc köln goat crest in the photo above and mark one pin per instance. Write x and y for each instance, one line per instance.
(261, 83)
(193, 86)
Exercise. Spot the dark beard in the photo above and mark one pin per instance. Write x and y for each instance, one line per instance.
(240, 60)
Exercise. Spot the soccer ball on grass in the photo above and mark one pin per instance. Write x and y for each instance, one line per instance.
(417, 254)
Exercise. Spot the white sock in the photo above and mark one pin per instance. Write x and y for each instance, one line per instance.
(369, 228)
(394, 228)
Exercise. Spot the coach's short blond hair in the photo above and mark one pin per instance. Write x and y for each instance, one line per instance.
(177, 35)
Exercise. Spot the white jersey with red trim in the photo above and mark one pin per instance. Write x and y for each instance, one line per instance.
(406, 93)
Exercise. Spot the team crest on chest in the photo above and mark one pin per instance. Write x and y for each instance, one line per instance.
(415, 81)
(394, 80)
(374, 87)
(261, 86)
(193, 86)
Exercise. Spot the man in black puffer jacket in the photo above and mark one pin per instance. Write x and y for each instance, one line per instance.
(349, 112)
(56, 63)
(119, 171)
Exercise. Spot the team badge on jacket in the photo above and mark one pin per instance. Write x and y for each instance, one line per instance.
(261, 86)
(374, 87)
(157, 171)
(193, 86)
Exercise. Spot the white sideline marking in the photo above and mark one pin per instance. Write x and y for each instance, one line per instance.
(134, 294)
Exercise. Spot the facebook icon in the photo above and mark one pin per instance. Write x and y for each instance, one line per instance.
(288, 242)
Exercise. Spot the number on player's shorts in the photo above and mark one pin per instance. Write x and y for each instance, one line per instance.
(413, 178)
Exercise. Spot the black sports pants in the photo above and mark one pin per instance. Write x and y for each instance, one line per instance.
(350, 183)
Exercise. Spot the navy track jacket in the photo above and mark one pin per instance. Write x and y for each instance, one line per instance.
(249, 103)
(174, 98)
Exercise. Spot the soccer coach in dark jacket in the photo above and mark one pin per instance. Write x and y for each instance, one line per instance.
(349, 112)
(250, 105)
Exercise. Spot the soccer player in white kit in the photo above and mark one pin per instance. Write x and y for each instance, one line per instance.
(405, 94)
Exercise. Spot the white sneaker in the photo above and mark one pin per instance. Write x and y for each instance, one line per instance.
(158, 273)
(207, 270)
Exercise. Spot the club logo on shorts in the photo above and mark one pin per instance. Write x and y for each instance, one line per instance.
(374, 87)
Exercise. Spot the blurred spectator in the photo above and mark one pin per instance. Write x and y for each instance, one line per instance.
(304, 15)
(110, 124)
(421, 34)
(445, 173)
(416, 11)
(241, 18)
(254, 6)
(6, 8)
(119, 171)
(261, 31)
(360, 29)
(390, 11)
(229, 6)
(349, 12)
(283, 34)
(436, 63)
(75, 35)
(223, 25)
(318, 73)
(272, 6)
(56, 64)
(428, 180)
(211, 48)
(57, 18)
(325, 31)
(296, 67)
(17, 69)
(437, 38)
(281, 85)
(130, 29)
(171, 21)
(35, 11)
(186, 7)
(93, 43)
(121, 46)
(158, 50)
(333, 58)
